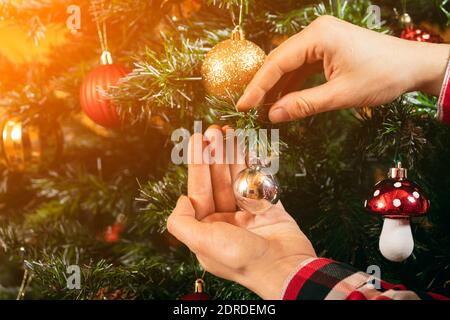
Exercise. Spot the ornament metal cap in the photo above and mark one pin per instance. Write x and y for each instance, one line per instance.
(106, 58)
(398, 172)
(237, 33)
(199, 286)
(406, 20)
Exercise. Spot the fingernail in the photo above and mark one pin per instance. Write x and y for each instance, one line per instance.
(278, 115)
(241, 101)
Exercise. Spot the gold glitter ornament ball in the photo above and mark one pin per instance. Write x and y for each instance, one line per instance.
(230, 65)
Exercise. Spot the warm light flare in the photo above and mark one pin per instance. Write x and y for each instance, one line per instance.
(16, 133)
(18, 47)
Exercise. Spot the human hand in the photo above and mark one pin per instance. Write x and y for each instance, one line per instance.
(362, 68)
(257, 251)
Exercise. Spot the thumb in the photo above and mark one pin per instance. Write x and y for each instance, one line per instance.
(302, 104)
(183, 224)
(184, 207)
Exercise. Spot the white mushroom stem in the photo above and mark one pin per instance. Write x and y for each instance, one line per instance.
(396, 240)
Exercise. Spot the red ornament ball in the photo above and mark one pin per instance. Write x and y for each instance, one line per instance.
(94, 104)
(112, 233)
(196, 296)
(421, 35)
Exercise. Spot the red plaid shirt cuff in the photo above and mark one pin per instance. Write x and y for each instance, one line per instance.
(443, 106)
(325, 279)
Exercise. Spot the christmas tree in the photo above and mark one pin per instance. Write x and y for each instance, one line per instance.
(90, 184)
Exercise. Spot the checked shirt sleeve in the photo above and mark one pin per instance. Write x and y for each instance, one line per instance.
(325, 279)
(443, 106)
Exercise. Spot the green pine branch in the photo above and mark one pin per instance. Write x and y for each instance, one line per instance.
(293, 21)
(159, 277)
(157, 199)
(162, 83)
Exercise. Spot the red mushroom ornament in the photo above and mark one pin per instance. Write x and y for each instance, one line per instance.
(415, 33)
(397, 199)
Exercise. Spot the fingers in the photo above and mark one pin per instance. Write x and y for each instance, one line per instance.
(200, 189)
(210, 186)
(235, 153)
(301, 104)
(290, 55)
(220, 172)
(289, 82)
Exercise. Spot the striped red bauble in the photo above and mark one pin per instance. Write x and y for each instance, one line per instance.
(92, 99)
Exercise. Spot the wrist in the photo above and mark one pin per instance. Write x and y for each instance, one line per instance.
(429, 65)
(270, 281)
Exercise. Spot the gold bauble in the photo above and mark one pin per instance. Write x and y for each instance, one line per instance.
(230, 65)
(30, 145)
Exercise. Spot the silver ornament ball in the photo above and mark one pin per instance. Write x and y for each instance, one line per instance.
(256, 191)
(405, 20)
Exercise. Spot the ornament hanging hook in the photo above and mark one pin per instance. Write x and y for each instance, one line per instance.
(404, 6)
(101, 31)
(106, 58)
(199, 286)
(26, 279)
(202, 277)
(238, 33)
(241, 12)
(398, 172)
